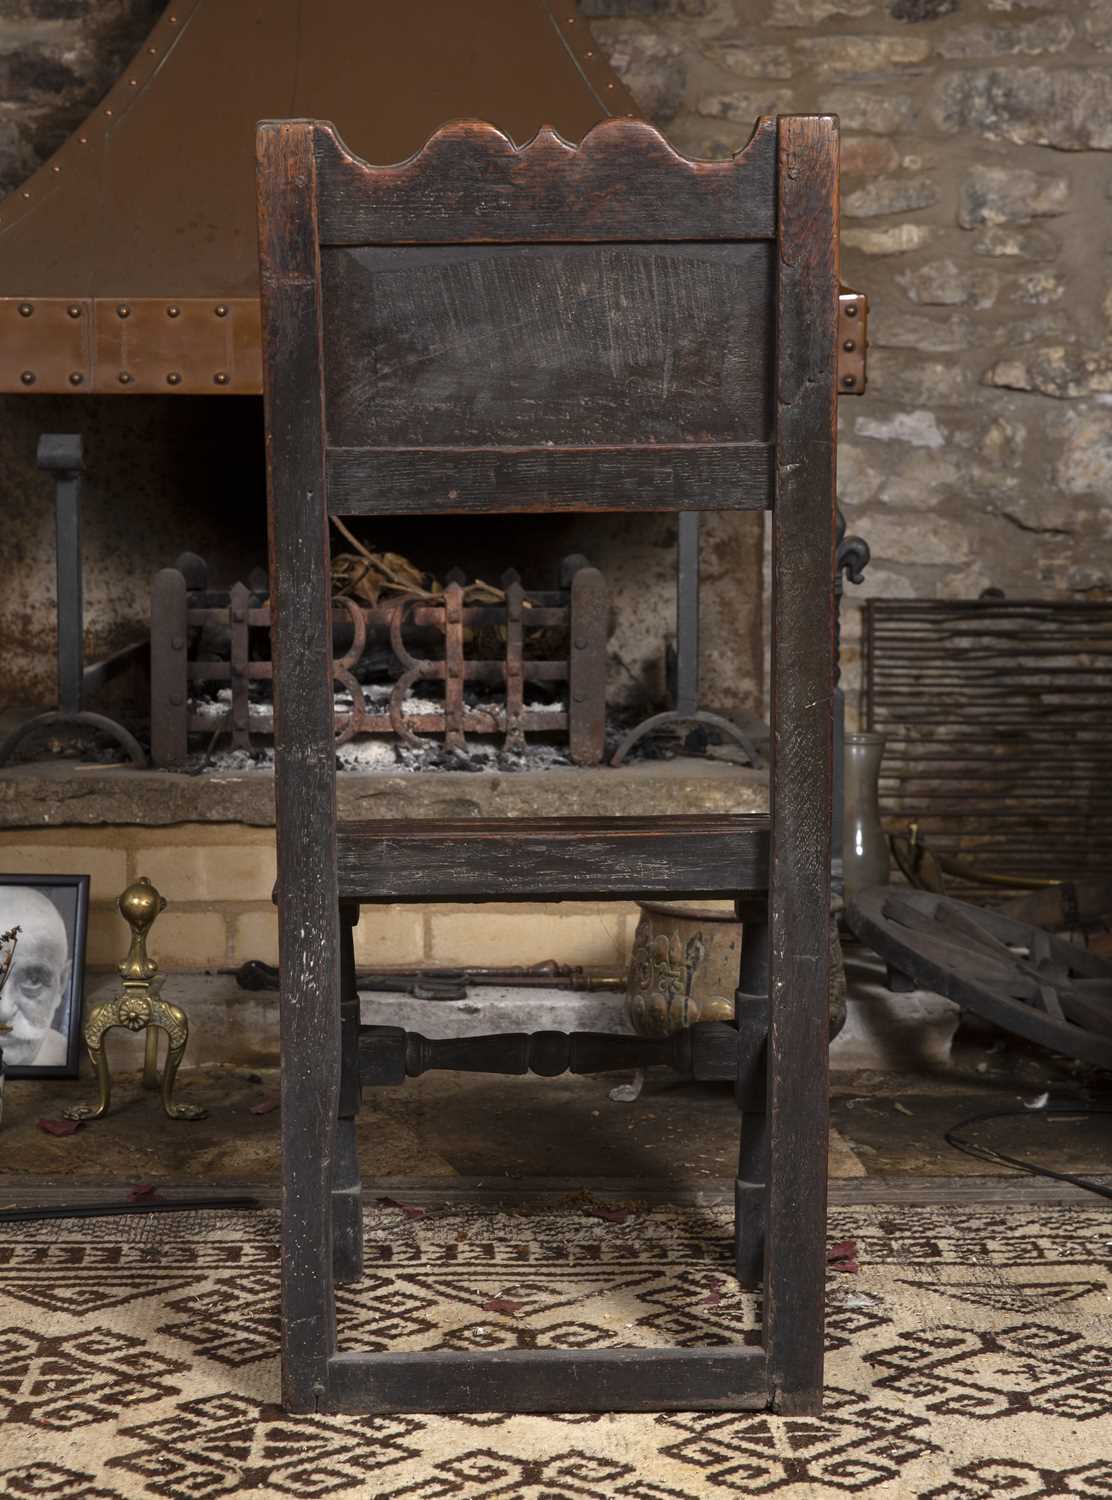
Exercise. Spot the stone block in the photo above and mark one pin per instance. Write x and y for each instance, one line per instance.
(745, 105)
(190, 940)
(866, 156)
(920, 10)
(653, 67)
(897, 240)
(529, 935)
(253, 934)
(840, 58)
(872, 114)
(945, 283)
(1054, 371)
(909, 380)
(1040, 287)
(1009, 195)
(930, 333)
(390, 935)
(889, 195)
(751, 61)
(1027, 244)
(918, 428)
(814, 12)
(914, 538)
(211, 872)
(24, 854)
(1084, 464)
(107, 939)
(1067, 108)
(1047, 34)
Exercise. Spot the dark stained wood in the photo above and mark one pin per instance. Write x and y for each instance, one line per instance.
(561, 1380)
(531, 859)
(802, 690)
(347, 1193)
(752, 1011)
(305, 776)
(389, 1055)
(477, 346)
(399, 481)
(471, 183)
(462, 374)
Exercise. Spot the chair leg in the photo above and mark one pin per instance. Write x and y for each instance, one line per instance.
(752, 1173)
(310, 1057)
(347, 1192)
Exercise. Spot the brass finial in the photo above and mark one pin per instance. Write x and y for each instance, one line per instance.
(139, 905)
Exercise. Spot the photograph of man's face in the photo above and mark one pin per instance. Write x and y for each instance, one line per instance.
(36, 999)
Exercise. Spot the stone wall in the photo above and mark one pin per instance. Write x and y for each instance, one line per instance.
(976, 215)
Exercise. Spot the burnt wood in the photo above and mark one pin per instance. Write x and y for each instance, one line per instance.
(531, 859)
(802, 693)
(472, 185)
(389, 1054)
(486, 328)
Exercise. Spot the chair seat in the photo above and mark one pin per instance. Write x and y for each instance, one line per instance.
(530, 859)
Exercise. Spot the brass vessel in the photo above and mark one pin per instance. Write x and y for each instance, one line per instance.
(684, 966)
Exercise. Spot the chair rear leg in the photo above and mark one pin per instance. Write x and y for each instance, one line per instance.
(752, 1021)
(347, 1192)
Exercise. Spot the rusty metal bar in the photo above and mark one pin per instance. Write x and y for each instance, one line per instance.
(453, 665)
(169, 674)
(240, 711)
(515, 653)
(588, 609)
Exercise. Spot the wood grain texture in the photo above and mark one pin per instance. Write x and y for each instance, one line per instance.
(389, 1054)
(470, 173)
(531, 859)
(561, 1380)
(802, 696)
(477, 346)
(305, 790)
(452, 481)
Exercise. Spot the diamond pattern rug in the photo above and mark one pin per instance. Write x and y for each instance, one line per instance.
(969, 1358)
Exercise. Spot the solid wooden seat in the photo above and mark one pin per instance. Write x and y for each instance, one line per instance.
(552, 859)
(487, 328)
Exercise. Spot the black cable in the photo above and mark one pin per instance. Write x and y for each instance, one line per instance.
(110, 1210)
(990, 1154)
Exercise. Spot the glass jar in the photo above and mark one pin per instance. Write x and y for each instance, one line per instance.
(865, 855)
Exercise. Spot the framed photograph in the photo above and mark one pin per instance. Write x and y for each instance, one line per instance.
(40, 1002)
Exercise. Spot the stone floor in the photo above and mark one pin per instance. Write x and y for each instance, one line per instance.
(467, 1126)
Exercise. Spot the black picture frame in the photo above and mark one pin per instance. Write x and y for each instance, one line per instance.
(69, 895)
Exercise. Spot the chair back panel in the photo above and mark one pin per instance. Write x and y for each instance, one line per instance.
(550, 327)
(573, 345)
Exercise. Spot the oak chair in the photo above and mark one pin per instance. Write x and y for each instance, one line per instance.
(485, 328)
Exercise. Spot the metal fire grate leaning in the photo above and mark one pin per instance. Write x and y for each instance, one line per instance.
(188, 619)
(996, 716)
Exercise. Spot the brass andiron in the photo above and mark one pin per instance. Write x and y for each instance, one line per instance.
(140, 1007)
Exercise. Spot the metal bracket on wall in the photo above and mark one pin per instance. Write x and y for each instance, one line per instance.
(61, 455)
(853, 342)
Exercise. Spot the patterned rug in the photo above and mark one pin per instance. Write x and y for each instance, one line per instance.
(968, 1358)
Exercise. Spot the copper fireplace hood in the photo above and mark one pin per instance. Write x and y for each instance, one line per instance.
(128, 261)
